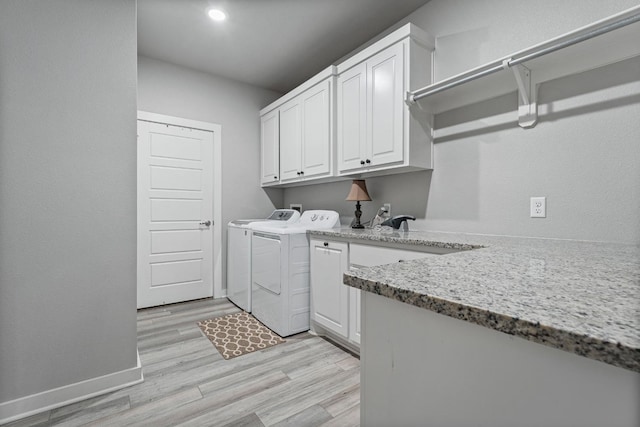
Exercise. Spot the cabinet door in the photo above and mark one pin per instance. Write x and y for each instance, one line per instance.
(385, 88)
(270, 146)
(354, 315)
(329, 296)
(290, 140)
(352, 118)
(316, 132)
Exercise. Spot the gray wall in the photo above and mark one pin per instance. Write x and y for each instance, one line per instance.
(178, 91)
(67, 192)
(583, 155)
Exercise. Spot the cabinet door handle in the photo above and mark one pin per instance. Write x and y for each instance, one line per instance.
(275, 177)
(326, 244)
(368, 161)
(298, 173)
(301, 172)
(362, 162)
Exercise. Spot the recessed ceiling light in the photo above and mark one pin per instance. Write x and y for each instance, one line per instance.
(217, 15)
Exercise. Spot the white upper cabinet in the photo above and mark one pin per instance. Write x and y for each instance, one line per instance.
(370, 108)
(352, 117)
(357, 123)
(317, 140)
(290, 139)
(376, 131)
(269, 155)
(305, 135)
(306, 131)
(385, 106)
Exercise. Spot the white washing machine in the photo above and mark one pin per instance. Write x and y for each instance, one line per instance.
(280, 271)
(239, 255)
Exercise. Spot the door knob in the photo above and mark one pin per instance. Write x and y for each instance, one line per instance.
(206, 223)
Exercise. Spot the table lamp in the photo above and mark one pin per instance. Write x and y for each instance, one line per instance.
(358, 194)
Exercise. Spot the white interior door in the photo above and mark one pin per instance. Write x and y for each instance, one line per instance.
(175, 214)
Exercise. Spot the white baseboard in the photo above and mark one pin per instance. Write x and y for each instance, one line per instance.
(61, 396)
(321, 331)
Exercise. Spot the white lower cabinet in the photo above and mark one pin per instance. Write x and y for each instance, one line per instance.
(335, 307)
(354, 315)
(329, 296)
(369, 256)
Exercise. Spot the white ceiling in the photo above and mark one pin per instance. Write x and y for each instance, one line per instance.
(274, 44)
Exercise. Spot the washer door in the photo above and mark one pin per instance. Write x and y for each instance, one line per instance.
(265, 261)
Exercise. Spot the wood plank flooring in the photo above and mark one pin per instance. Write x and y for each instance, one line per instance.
(304, 382)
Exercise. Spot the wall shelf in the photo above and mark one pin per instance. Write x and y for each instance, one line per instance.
(603, 42)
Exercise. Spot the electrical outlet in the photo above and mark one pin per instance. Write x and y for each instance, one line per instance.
(538, 207)
(388, 206)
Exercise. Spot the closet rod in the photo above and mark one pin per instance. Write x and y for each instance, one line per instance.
(422, 93)
(578, 39)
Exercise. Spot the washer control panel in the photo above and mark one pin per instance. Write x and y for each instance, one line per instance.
(286, 215)
(319, 219)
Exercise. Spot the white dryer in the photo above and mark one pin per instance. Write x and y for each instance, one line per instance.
(280, 271)
(239, 255)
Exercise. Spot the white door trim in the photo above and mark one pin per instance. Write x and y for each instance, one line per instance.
(217, 184)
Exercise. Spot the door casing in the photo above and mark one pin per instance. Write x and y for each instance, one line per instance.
(217, 184)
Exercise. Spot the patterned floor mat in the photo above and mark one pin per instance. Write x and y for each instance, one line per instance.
(236, 334)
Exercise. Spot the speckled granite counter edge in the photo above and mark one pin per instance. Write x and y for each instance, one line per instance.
(611, 353)
(382, 238)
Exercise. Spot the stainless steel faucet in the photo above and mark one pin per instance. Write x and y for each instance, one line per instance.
(399, 221)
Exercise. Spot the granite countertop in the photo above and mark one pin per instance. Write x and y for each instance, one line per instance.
(581, 297)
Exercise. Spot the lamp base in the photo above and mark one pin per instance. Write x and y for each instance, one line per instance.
(358, 214)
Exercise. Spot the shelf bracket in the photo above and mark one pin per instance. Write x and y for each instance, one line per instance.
(527, 94)
(411, 102)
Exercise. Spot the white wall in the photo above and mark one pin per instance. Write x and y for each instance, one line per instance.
(67, 193)
(173, 90)
(583, 155)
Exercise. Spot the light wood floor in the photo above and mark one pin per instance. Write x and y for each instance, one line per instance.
(304, 382)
